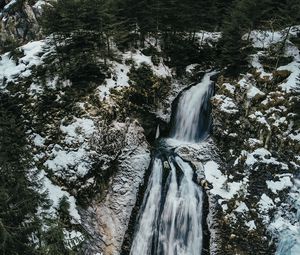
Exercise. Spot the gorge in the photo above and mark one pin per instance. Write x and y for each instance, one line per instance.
(170, 218)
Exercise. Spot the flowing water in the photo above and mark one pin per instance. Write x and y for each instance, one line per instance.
(170, 218)
(192, 119)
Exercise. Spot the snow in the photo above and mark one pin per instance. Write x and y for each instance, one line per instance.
(283, 183)
(264, 39)
(260, 118)
(242, 208)
(251, 225)
(38, 140)
(139, 58)
(72, 157)
(65, 161)
(295, 137)
(252, 142)
(220, 183)
(292, 82)
(72, 238)
(253, 92)
(39, 4)
(206, 37)
(119, 79)
(78, 131)
(10, 71)
(226, 104)
(265, 204)
(120, 71)
(190, 68)
(8, 6)
(55, 193)
(262, 155)
(35, 89)
(244, 81)
(230, 88)
(256, 64)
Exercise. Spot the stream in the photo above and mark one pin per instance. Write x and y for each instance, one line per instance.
(170, 217)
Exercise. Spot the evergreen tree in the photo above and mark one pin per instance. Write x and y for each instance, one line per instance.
(19, 198)
(81, 31)
(244, 16)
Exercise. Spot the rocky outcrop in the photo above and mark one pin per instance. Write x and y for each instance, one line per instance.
(107, 218)
(256, 132)
(18, 22)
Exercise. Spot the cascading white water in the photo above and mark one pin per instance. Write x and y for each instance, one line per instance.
(190, 124)
(170, 225)
(149, 212)
(180, 227)
(170, 218)
(157, 132)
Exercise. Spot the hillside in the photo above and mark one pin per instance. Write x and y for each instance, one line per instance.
(191, 105)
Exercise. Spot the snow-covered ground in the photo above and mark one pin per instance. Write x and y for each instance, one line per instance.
(262, 119)
(11, 70)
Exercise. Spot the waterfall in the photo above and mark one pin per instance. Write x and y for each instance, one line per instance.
(192, 119)
(149, 212)
(170, 218)
(157, 132)
(180, 227)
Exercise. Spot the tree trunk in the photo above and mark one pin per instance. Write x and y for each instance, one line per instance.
(280, 52)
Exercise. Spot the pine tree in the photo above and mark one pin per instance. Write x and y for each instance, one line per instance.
(244, 16)
(81, 37)
(19, 198)
(232, 55)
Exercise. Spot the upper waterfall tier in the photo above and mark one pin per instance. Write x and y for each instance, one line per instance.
(192, 120)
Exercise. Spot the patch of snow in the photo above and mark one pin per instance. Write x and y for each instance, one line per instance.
(230, 88)
(35, 89)
(283, 183)
(205, 37)
(262, 155)
(38, 140)
(226, 104)
(295, 137)
(292, 83)
(120, 71)
(66, 161)
(253, 92)
(242, 208)
(139, 58)
(256, 64)
(8, 6)
(72, 238)
(39, 4)
(220, 183)
(9, 70)
(251, 225)
(265, 204)
(264, 39)
(119, 79)
(55, 193)
(78, 130)
(254, 142)
(190, 68)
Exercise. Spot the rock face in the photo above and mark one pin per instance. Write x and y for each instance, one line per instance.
(256, 131)
(108, 218)
(18, 22)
